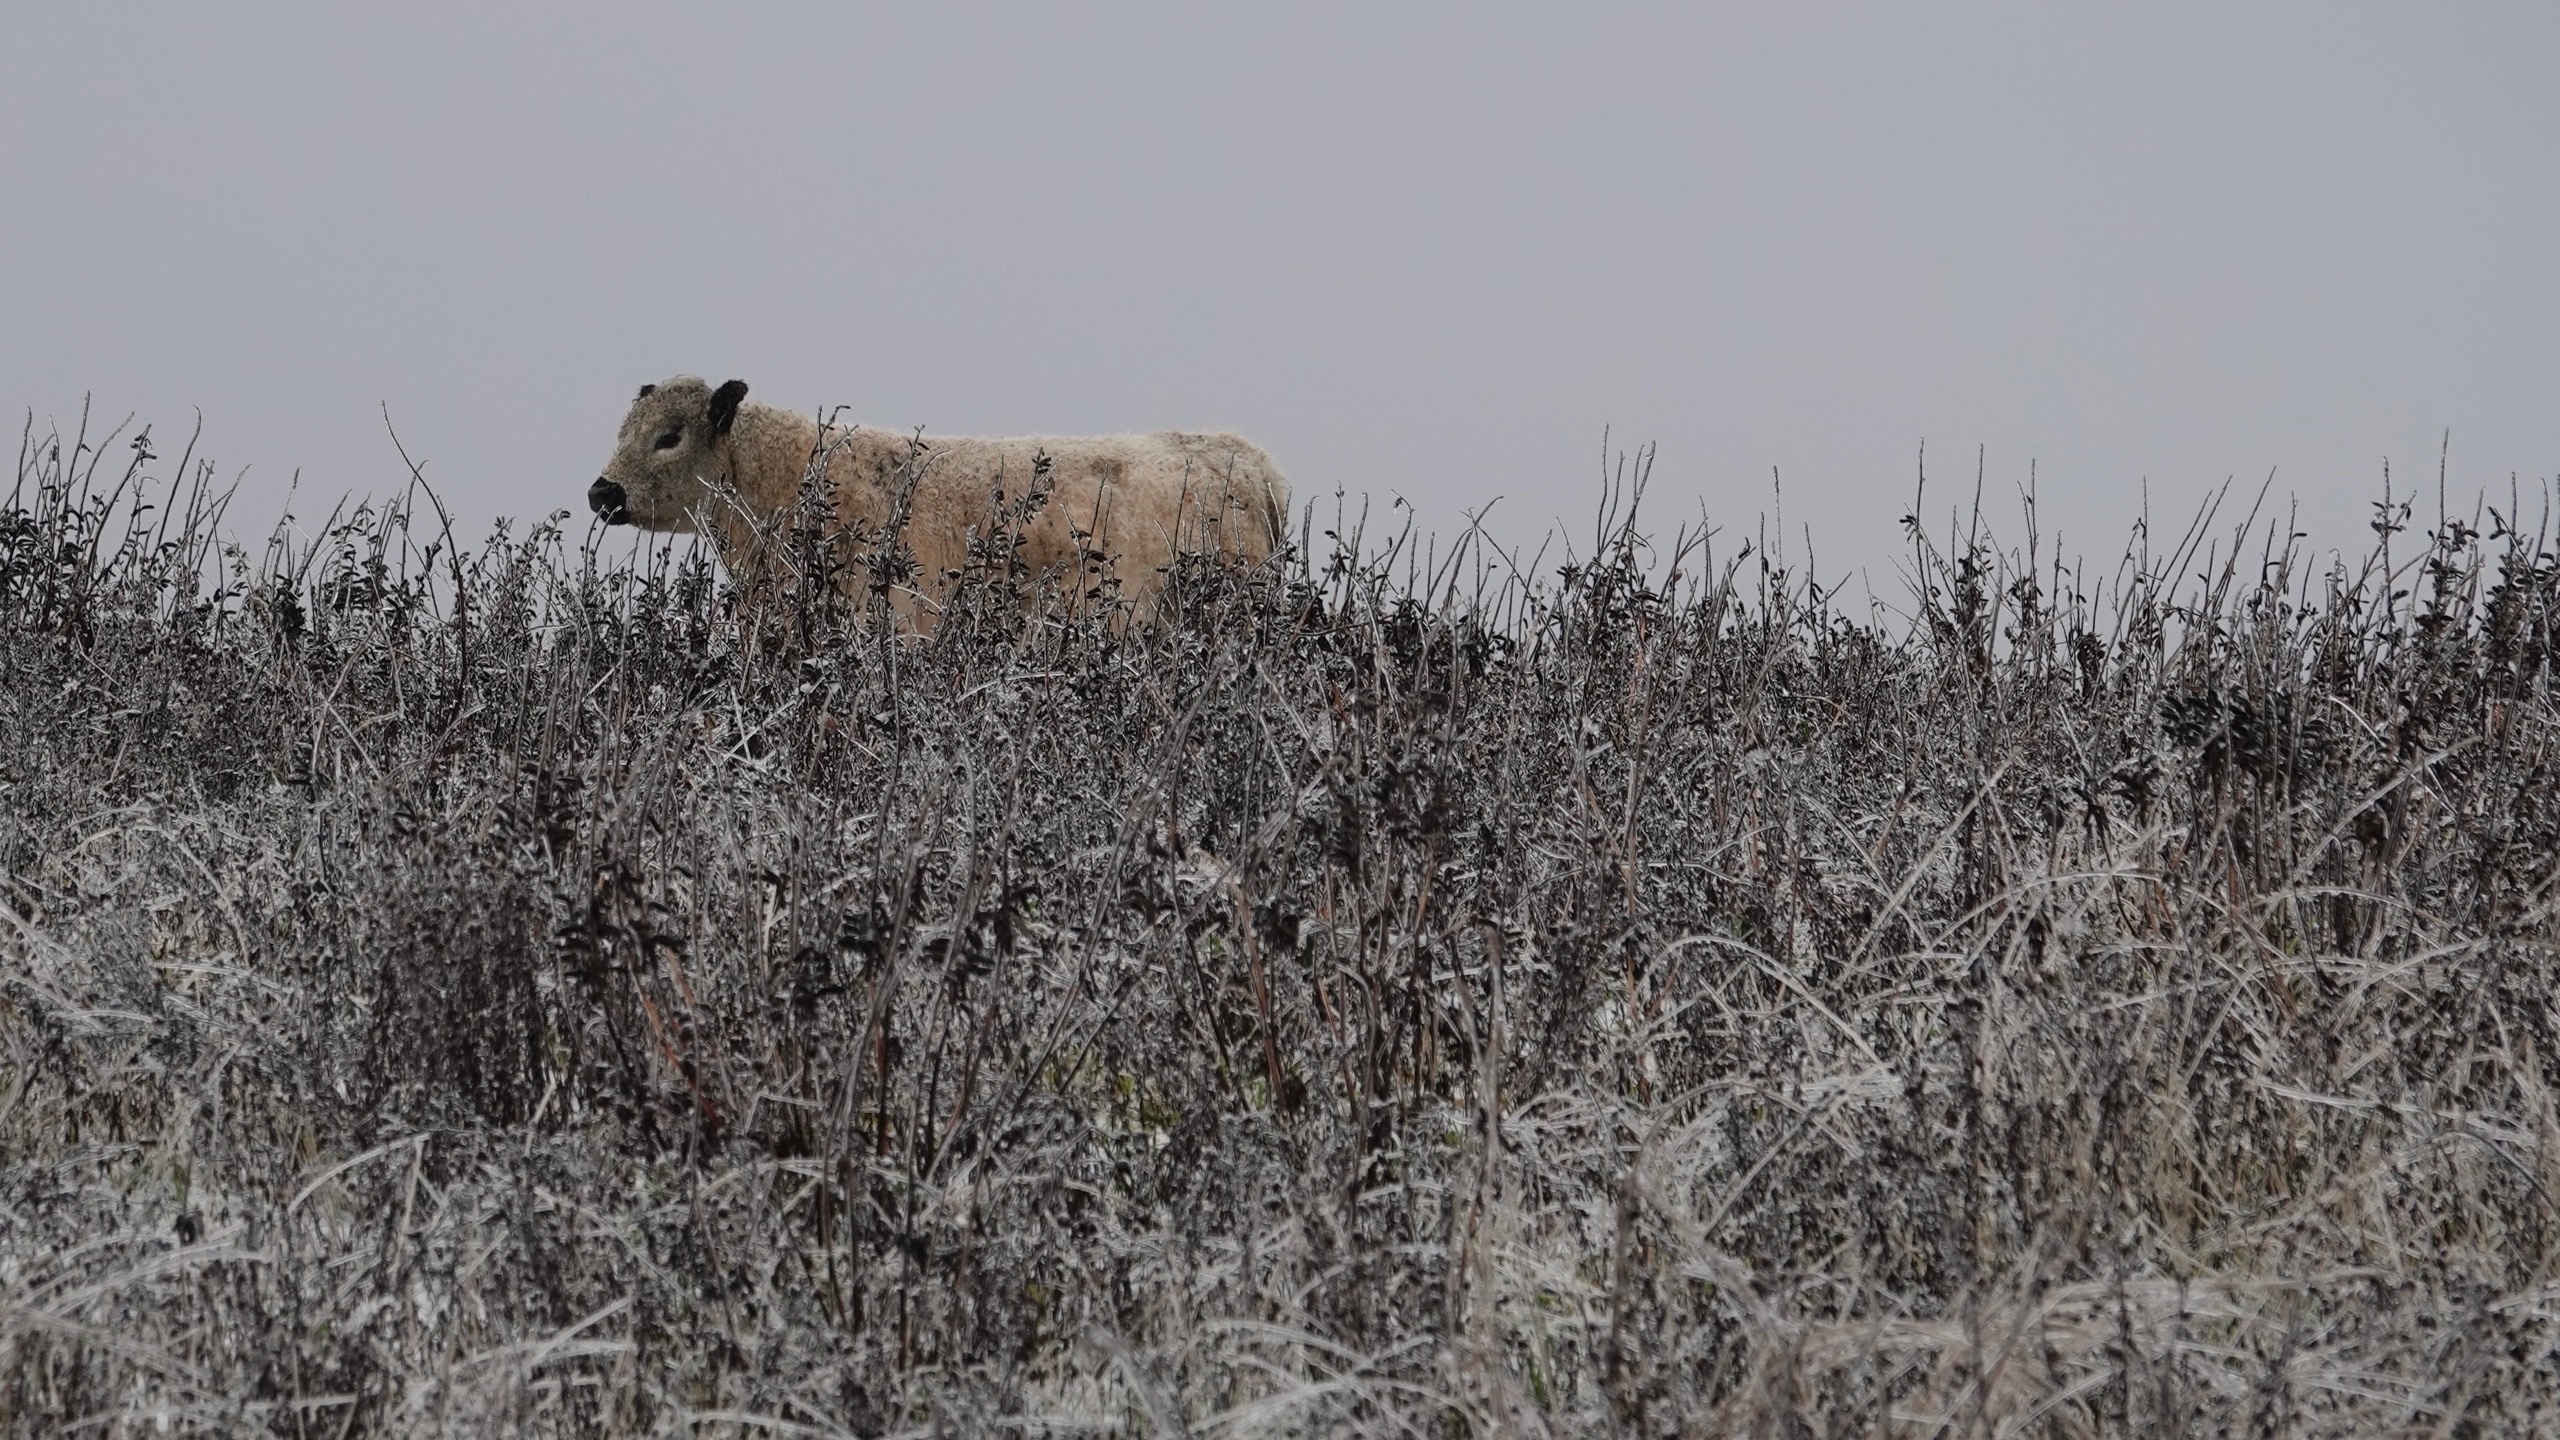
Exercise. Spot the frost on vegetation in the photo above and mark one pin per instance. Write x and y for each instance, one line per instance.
(484, 991)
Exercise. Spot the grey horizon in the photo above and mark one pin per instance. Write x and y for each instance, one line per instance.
(1426, 255)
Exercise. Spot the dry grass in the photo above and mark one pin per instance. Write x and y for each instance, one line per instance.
(489, 992)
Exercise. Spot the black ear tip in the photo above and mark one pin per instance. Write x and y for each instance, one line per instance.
(645, 392)
(724, 405)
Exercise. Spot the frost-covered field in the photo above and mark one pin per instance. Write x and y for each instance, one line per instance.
(496, 992)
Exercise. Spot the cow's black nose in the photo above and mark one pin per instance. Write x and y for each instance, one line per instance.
(605, 498)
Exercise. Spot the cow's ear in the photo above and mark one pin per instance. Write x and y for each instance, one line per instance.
(724, 405)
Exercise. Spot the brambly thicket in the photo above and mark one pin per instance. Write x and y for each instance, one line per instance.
(495, 989)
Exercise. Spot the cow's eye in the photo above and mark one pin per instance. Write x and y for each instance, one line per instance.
(669, 440)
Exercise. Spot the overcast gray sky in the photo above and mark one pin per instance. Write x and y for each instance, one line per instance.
(1416, 251)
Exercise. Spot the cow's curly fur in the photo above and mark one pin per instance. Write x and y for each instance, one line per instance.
(1108, 511)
